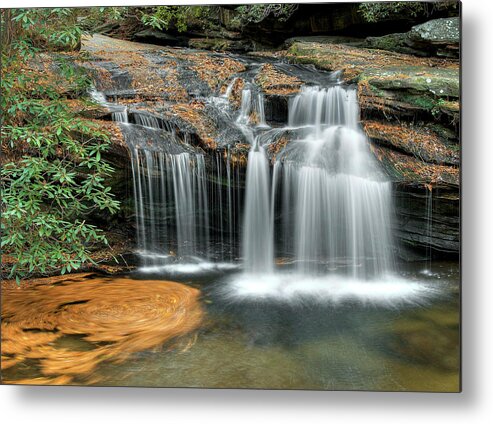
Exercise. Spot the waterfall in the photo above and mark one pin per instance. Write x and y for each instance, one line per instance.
(335, 203)
(120, 115)
(324, 201)
(429, 230)
(246, 107)
(260, 110)
(229, 89)
(171, 207)
(258, 250)
(170, 188)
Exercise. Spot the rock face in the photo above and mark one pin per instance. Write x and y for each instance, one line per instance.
(438, 37)
(410, 111)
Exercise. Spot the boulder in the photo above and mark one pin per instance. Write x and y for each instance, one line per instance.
(394, 43)
(438, 37)
(161, 38)
(441, 32)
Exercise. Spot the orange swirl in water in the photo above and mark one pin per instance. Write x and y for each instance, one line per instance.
(118, 316)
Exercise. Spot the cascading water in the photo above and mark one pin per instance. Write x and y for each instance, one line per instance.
(183, 213)
(329, 206)
(323, 208)
(164, 179)
(335, 203)
(246, 107)
(342, 204)
(258, 245)
(326, 201)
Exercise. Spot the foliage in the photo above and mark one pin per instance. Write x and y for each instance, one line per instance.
(53, 173)
(179, 17)
(381, 11)
(182, 17)
(255, 13)
(49, 29)
(92, 17)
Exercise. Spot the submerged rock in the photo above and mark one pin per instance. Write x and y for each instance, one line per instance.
(435, 346)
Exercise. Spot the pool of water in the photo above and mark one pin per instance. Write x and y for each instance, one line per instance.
(304, 342)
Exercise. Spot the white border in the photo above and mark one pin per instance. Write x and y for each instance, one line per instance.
(127, 405)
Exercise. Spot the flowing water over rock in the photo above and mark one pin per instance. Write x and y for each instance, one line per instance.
(339, 201)
(334, 201)
(312, 196)
(258, 242)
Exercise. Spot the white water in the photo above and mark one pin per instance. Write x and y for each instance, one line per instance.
(388, 291)
(260, 110)
(245, 108)
(324, 199)
(258, 245)
(335, 203)
(167, 184)
(120, 115)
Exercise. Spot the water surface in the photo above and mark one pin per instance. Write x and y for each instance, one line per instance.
(307, 344)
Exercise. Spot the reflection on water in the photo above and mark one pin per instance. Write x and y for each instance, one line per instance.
(248, 343)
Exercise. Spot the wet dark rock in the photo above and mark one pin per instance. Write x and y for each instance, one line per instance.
(420, 227)
(119, 79)
(276, 108)
(150, 138)
(161, 38)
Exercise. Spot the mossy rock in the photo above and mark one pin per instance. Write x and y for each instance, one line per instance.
(439, 37)
(394, 43)
(356, 61)
(439, 82)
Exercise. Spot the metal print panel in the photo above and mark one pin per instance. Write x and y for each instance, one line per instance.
(247, 196)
